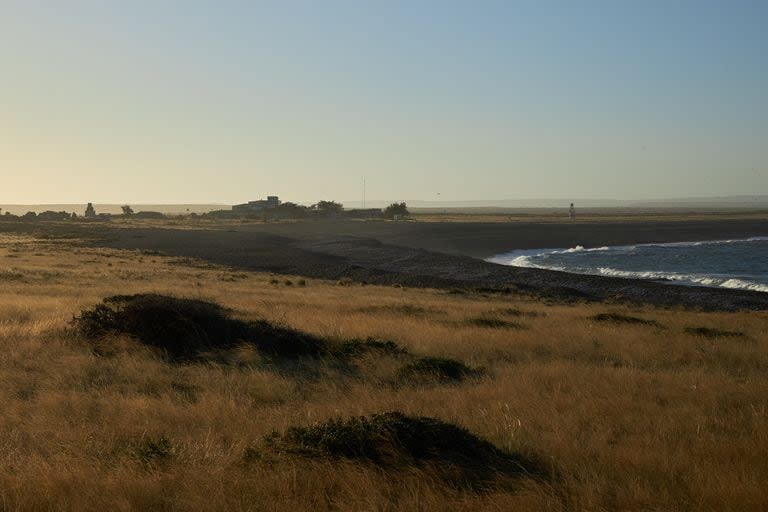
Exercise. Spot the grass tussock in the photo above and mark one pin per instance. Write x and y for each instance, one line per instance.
(436, 369)
(153, 451)
(618, 318)
(394, 440)
(356, 348)
(708, 332)
(517, 312)
(489, 322)
(397, 309)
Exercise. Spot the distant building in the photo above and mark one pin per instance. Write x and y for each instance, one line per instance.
(270, 203)
(90, 212)
(572, 212)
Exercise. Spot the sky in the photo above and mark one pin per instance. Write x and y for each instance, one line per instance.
(226, 101)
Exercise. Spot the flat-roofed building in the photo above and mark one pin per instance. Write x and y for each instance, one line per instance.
(270, 203)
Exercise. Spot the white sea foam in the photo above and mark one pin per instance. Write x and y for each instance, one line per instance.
(536, 258)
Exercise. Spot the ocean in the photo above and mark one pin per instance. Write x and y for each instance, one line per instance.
(739, 264)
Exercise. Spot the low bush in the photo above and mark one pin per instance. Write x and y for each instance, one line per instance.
(185, 328)
(397, 441)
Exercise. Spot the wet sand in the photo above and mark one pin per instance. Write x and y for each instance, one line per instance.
(483, 240)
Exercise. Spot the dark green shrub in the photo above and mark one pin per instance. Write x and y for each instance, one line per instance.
(396, 210)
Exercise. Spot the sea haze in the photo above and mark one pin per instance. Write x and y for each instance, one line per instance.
(739, 264)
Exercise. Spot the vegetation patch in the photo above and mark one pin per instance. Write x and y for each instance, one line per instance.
(489, 322)
(397, 309)
(396, 441)
(153, 451)
(436, 369)
(517, 312)
(11, 275)
(185, 328)
(708, 332)
(357, 348)
(617, 318)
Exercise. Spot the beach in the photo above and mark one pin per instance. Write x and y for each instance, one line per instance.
(446, 255)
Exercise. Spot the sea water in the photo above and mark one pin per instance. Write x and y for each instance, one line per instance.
(726, 263)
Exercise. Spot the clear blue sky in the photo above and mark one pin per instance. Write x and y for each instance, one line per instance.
(192, 101)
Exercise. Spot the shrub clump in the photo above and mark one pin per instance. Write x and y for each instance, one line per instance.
(185, 328)
(357, 348)
(491, 323)
(395, 440)
(436, 369)
(708, 332)
(618, 318)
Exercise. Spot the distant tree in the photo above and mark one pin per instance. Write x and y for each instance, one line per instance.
(396, 209)
(328, 207)
(90, 211)
(51, 215)
(127, 210)
(291, 210)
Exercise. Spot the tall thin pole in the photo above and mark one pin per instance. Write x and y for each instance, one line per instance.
(363, 192)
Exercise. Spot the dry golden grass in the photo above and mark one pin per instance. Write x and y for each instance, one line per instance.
(630, 417)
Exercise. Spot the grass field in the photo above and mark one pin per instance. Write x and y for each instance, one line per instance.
(627, 408)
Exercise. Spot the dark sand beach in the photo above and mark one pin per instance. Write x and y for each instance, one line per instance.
(448, 255)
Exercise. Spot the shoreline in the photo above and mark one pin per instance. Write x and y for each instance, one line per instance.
(521, 258)
(371, 260)
(445, 256)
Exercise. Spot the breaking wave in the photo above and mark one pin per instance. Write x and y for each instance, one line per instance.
(740, 264)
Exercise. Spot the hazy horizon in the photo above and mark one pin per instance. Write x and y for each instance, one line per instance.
(203, 103)
(725, 202)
